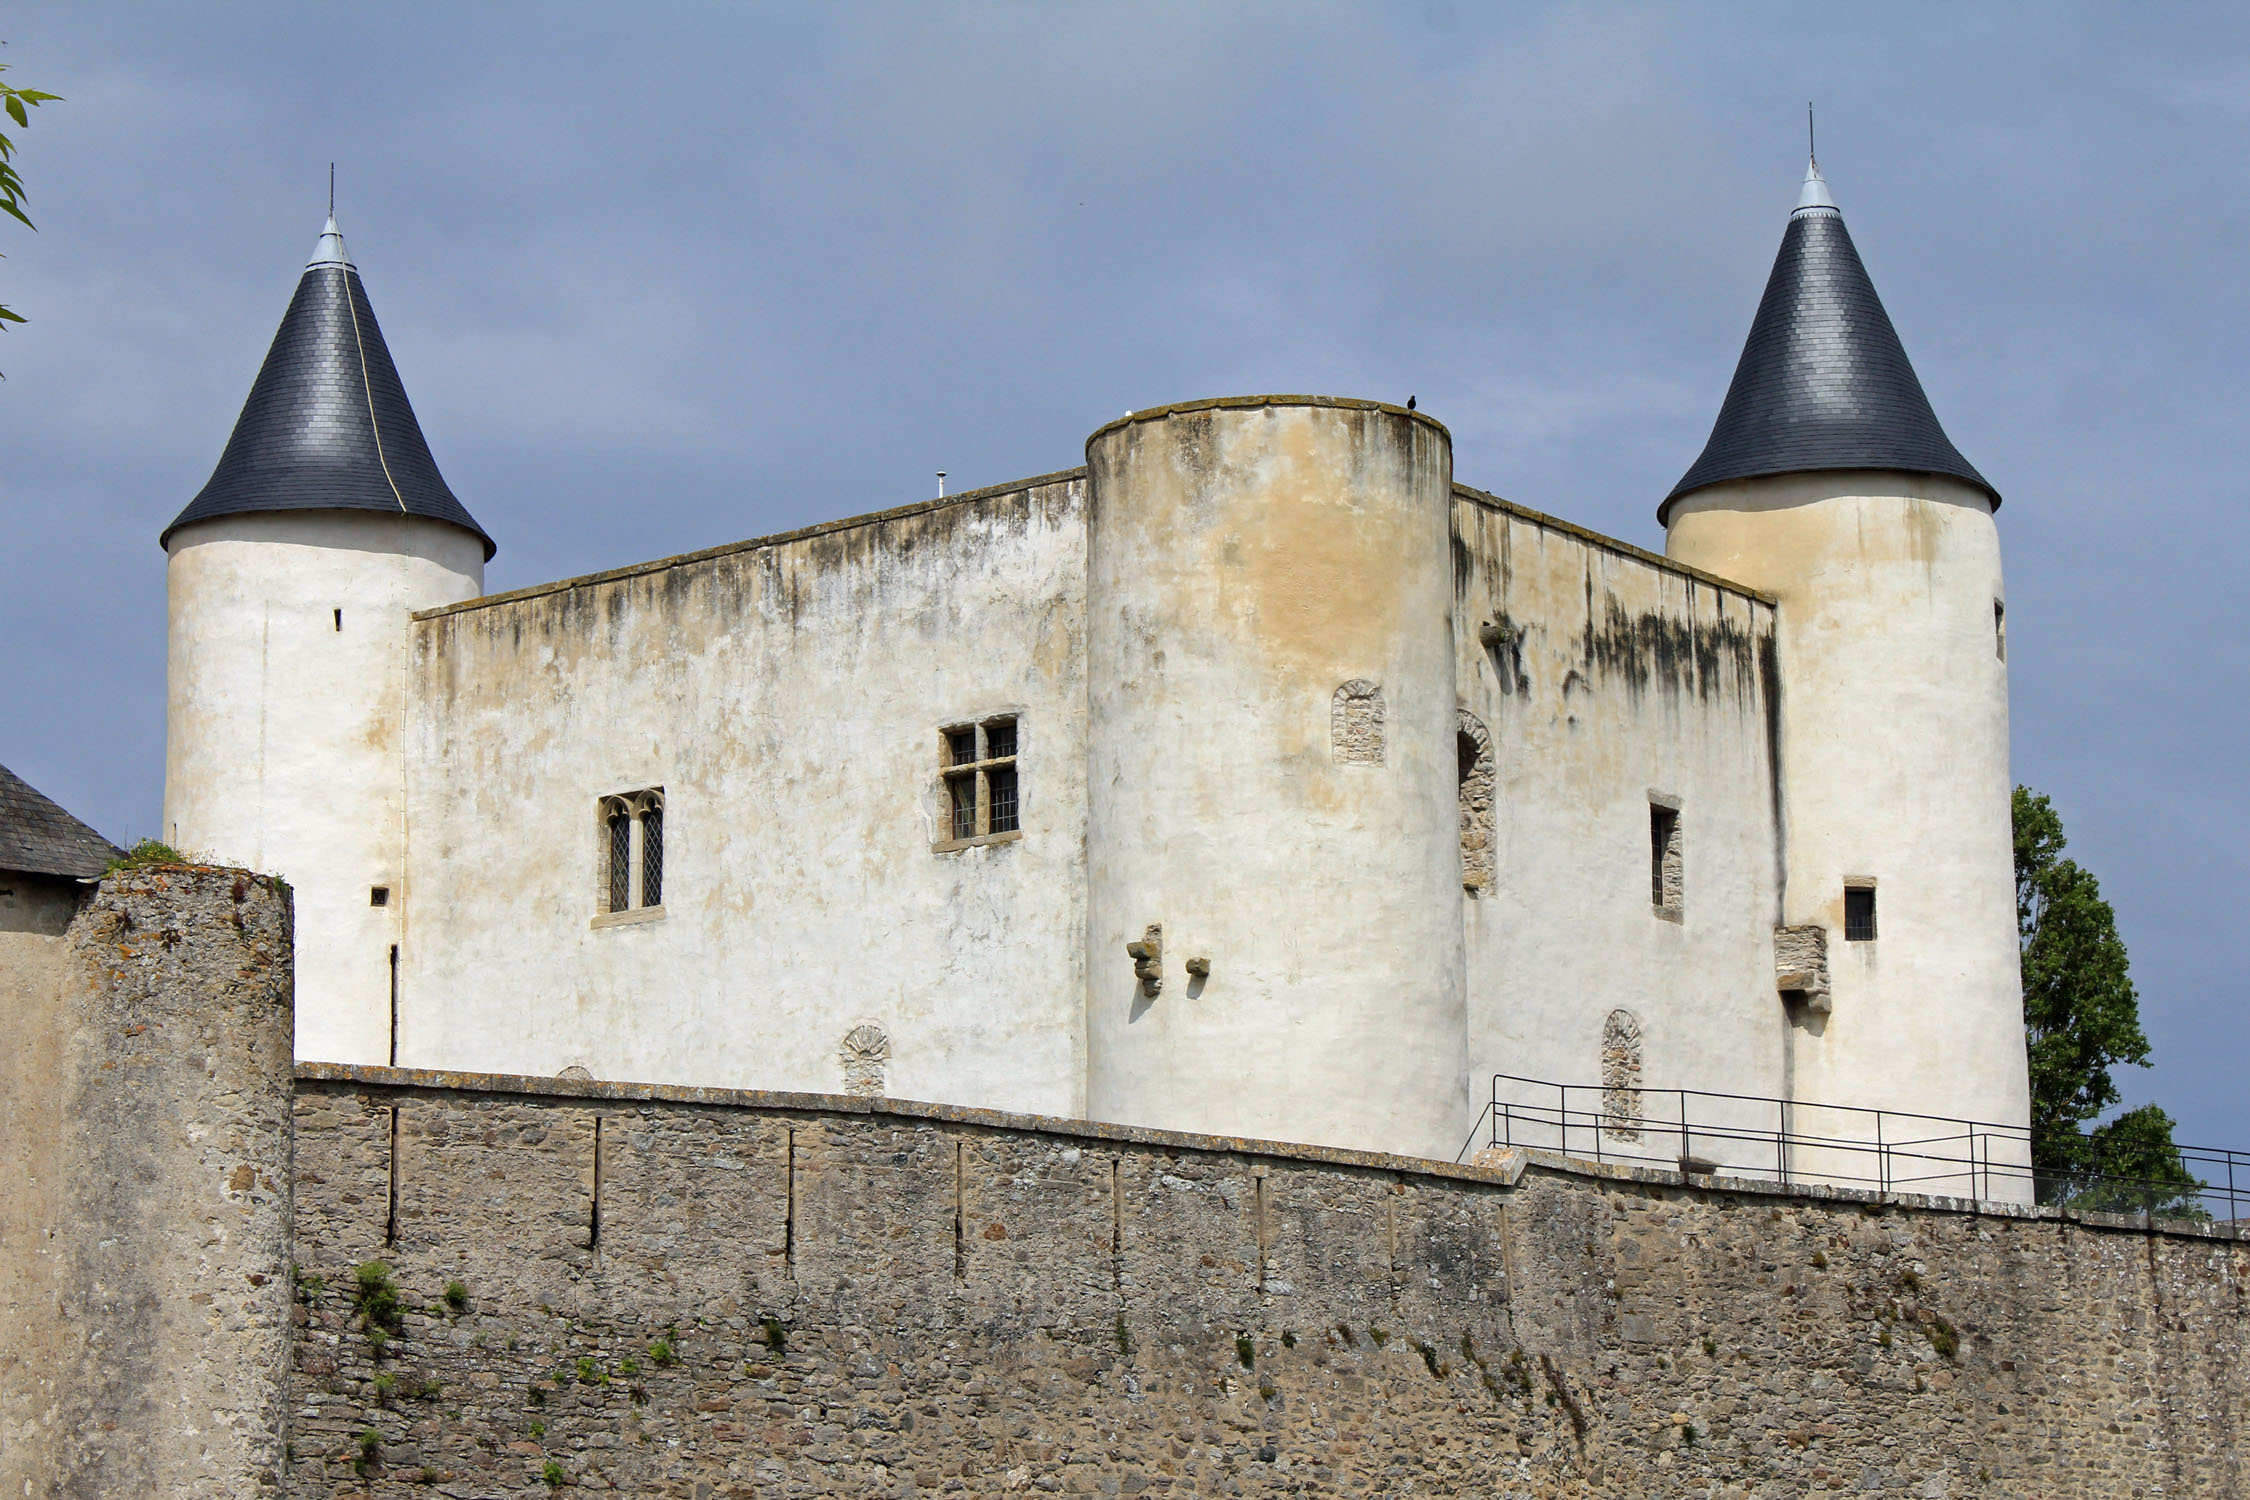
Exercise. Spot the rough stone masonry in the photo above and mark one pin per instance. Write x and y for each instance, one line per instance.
(679, 1292)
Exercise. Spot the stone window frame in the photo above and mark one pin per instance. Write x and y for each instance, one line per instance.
(991, 775)
(1357, 727)
(639, 814)
(1861, 885)
(865, 1056)
(1622, 1059)
(1667, 857)
(1478, 769)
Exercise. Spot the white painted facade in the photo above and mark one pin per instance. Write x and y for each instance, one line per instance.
(1244, 564)
(287, 696)
(1892, 646)
(1251, 653)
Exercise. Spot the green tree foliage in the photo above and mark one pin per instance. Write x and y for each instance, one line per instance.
(18, 103)
(2081, 1018)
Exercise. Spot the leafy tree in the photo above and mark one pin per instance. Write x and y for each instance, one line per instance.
(18, 103)
(2081, 1018)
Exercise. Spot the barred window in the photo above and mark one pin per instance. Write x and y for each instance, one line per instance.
(977, 772)
(632, 843)
(1859, 913)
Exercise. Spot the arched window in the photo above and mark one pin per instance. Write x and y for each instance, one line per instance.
(632, 845)
(1355, 724)
(1474, 745)
(652, 848)
(617, 828)
(1621, 1075)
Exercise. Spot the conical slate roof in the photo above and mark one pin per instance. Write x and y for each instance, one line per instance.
(38, 837)
(1823, 382)
(327, 425)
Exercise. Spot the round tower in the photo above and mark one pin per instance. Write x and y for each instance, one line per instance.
(1829, 483)
(291, 579)
(1273, 903)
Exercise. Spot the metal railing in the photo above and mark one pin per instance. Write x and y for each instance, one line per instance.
(1843, 1145)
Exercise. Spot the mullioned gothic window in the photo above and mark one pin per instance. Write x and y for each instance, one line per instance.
(632, 844)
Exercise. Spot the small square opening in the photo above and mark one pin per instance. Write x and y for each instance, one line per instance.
(1859, 913)
(378, 895)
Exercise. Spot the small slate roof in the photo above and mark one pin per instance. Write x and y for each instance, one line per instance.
(39, 838)
(328, 425)
(1823, 382)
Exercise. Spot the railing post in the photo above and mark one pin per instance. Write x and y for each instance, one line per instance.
(1882, 1158)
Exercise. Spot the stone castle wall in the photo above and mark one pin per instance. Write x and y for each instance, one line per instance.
(705, 1294)
(691, 1293)
(144, 1195)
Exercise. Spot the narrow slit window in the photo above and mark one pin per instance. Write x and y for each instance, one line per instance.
(1664, 864)
(620, 858)
(1859, 913)
(339, 619)
(2000, 629)
(652, 855)
(977, 776)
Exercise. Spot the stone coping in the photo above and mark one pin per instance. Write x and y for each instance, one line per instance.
(1252, 403)
(1609, 543)
(1501, 1166)
(756, 543)
(910, 1109)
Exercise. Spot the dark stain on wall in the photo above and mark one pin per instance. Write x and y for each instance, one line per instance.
(1675, 652)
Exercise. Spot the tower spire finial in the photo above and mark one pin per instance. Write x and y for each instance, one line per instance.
(1812, 154)
(331, 190)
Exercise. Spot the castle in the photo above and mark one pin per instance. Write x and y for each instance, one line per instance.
(1255, 778)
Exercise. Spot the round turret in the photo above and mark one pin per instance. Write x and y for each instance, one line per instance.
(1829, 484)
(292, 577)
(1273, 905)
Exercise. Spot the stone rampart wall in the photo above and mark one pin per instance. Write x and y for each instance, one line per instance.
(703, 1294)
(144, 1195)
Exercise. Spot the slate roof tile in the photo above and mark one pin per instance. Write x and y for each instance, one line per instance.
(327, 425)
(39, 838)
(1823, 382)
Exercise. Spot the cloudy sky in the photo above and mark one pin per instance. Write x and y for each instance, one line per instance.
(659, 278)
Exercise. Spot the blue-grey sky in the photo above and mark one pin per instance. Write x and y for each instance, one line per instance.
(659, 278)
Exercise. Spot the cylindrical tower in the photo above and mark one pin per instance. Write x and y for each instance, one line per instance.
(1829, 483)
(292, 577)
(1274, 889)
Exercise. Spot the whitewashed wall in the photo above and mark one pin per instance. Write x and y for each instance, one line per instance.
(1247, 559)
(287, 692)
(1895, 766)
(1604, 675)
(788, 697)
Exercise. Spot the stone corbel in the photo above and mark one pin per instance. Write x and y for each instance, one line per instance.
(1800, 965)
(1148, 960)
